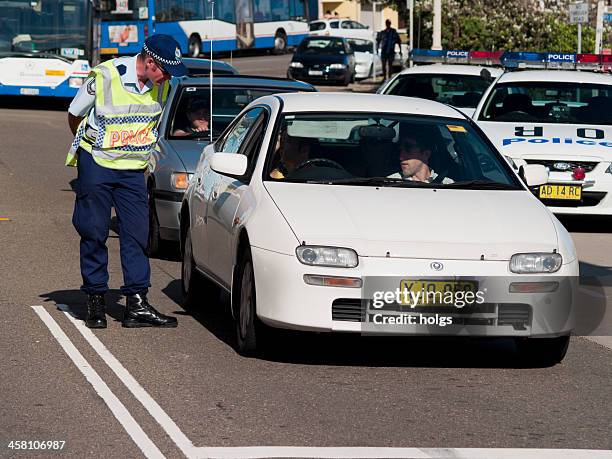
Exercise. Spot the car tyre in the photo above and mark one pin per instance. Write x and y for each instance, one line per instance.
(155, 240)
(250, 332)
(280, 42)
(193, 286)
(195, 46)
(542, 351)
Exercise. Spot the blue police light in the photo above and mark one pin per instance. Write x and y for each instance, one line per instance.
(524, 60)
(427, 55)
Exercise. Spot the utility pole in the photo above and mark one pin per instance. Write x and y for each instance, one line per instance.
(410, 6)
(437, 25)
(599, 26)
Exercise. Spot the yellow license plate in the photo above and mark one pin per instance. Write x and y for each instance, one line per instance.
(572, 192)
(423, 292)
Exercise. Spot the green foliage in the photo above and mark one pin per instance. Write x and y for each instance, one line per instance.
(491, 25)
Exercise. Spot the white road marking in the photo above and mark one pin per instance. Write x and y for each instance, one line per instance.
(247, 452)
(118, 409)
(417, 453)
(156, 411)
(605, 341)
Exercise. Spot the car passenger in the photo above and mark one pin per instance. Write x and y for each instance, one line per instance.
(198, 117)
(415, 156)
(290, 153)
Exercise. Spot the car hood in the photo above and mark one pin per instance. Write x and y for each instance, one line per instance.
(417, 223)
(555, 141)
(188, 151)
(324, 59)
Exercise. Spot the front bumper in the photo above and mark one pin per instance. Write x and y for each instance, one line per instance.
(284, 300)
(328, 75)
(168, 208)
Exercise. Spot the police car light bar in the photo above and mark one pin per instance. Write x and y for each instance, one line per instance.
(486, 57)
(524, 60)
(427, 55)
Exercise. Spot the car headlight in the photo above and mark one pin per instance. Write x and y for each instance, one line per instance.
(337, 257)
(75, 82)
(528, 263)
(180, 180)
(337, 66)
(296, 65)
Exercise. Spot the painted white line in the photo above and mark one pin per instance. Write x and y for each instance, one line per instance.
(118, 409)
(416, 453)
(605, 341)
(156, 411)
(248, 452)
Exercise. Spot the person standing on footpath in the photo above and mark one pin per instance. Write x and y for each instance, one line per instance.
(114, 118)
(385, 41)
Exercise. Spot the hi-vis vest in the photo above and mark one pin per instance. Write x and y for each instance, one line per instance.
(127, 123)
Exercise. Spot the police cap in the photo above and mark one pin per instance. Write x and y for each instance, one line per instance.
(167, 52)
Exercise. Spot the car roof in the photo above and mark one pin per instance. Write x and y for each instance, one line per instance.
(195, 64)
(362, 102)
(327, 21)
(453, 69)
(249, 81)
(555, 76)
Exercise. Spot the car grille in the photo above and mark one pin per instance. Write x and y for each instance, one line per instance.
(588, 166)
(514, 314)
(348, 310)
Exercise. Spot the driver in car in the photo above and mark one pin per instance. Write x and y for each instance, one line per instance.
(290, 153)
(198, 116)
(414, 157)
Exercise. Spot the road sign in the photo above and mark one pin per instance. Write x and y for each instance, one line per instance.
(579, 13)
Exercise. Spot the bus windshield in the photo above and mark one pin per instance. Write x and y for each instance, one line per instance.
(57, 27)
(121, 10)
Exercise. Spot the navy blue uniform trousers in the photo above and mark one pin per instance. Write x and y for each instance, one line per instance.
(98, 189)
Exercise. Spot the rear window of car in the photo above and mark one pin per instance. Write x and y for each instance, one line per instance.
(317, 26)
(549, 102)
(456, 90)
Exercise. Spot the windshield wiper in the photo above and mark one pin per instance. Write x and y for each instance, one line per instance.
(481, 185)
(374, 181)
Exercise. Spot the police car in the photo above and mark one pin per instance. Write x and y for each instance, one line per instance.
(561, 119)
(447, 77)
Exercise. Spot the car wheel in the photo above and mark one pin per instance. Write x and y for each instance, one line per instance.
(280, 42)
(249, 330)
(193, 286)
(155, 241)
(542, 351)
(195, 46)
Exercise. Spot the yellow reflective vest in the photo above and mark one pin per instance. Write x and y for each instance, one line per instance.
(127, 123)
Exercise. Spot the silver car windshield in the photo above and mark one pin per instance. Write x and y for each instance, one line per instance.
(393, 150)
(549, 102)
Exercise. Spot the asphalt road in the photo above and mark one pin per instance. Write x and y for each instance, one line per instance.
(180, 391)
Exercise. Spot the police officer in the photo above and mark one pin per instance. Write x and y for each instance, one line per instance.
(114, 117)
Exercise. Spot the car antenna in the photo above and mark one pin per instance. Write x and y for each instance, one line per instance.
(210, 76)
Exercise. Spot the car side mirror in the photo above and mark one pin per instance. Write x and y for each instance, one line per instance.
(229, 164)
(534, 174)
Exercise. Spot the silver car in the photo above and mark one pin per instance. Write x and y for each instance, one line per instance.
(181, 143)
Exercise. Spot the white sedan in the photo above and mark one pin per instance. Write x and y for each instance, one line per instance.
(382, 214)
(367, 62)
(461, 86)
(560, 119)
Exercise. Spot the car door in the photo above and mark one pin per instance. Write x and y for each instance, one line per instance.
(244, 138)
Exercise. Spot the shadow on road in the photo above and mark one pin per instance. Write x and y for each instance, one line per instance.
(586, 223)
(337, 349)
(76, 301)
(35, 103)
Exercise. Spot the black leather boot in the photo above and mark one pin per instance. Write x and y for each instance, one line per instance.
(139, 313)
(96, 317)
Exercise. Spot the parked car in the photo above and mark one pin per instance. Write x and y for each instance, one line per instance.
(341, 28)
(323, 60)
(366, 60)
(308, 204)
(196, 66)
(461, 86)
(180, 146)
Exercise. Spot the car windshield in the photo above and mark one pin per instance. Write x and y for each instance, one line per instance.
(457, 90)
(549, 102)
(362, 46)
(44, 27)
(321, 46)
(191, 117)
(385, 150)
